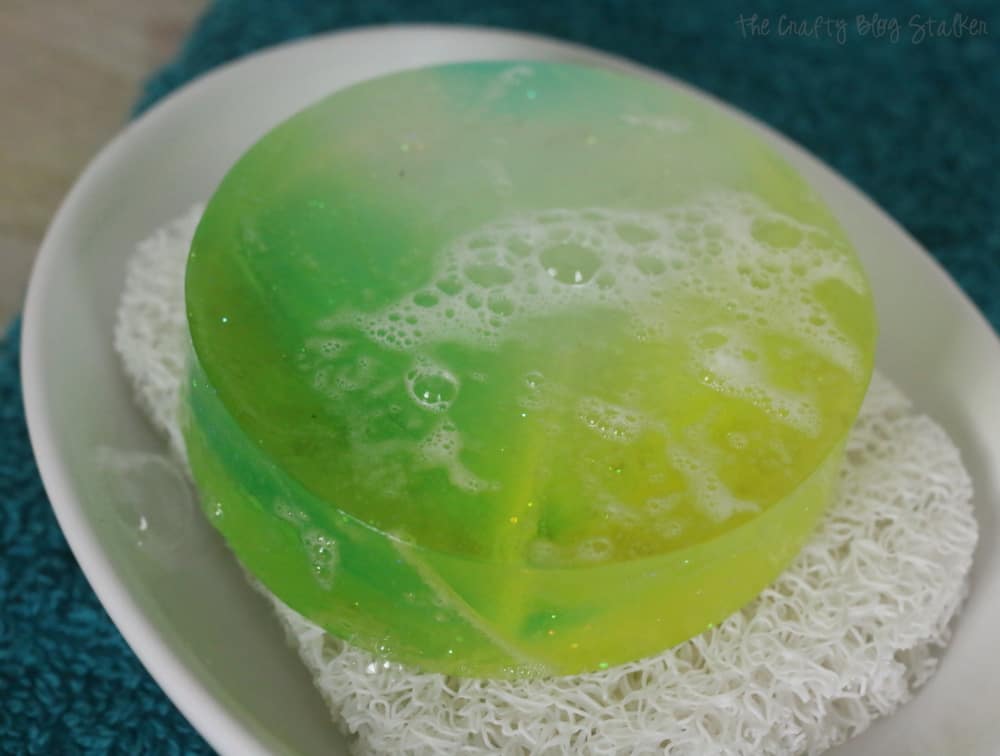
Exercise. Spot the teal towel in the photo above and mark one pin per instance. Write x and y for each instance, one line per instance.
(914, 122)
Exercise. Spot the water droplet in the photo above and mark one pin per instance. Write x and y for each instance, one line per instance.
(150, 498)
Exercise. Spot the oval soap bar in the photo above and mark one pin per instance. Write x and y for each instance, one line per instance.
(519, 368)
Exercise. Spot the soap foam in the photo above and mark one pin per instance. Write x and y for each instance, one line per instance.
(724, 252)
(708, 493)
(735, 368)
(610, 421)
(441, 448)
(558, 259)
(786, 674)
(729, 248)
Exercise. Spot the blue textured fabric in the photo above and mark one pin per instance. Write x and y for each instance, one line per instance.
(68, 682)
(914, 124)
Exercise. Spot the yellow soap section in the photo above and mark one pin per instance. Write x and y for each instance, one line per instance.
(519, 368)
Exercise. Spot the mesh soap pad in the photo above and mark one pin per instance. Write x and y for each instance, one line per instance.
(847, 634)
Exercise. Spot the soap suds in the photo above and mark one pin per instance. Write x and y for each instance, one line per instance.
(664, 272)
(492, 278)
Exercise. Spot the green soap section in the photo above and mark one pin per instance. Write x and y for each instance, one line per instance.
(365, 586)
(515, 368)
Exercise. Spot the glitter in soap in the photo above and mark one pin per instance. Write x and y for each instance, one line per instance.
(519, 368)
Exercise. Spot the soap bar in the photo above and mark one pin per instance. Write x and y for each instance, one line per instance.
(519, 368)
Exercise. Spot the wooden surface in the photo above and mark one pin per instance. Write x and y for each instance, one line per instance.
(69, 71)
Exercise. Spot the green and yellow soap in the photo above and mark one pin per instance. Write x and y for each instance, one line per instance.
(509, 369)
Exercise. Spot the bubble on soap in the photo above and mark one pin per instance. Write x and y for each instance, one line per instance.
(289, 513)
(709, 494)
(610, 421)
(620, 513)
(320, 549)
(570, 263)
(425, 299)
(327, 348)
(535, 391)
(728, 361)
(343, 376)
(661, 505)
(598, 549)
(542, 552)
(441, 448)
(670, 529)
(323, 556)
(431, 386)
